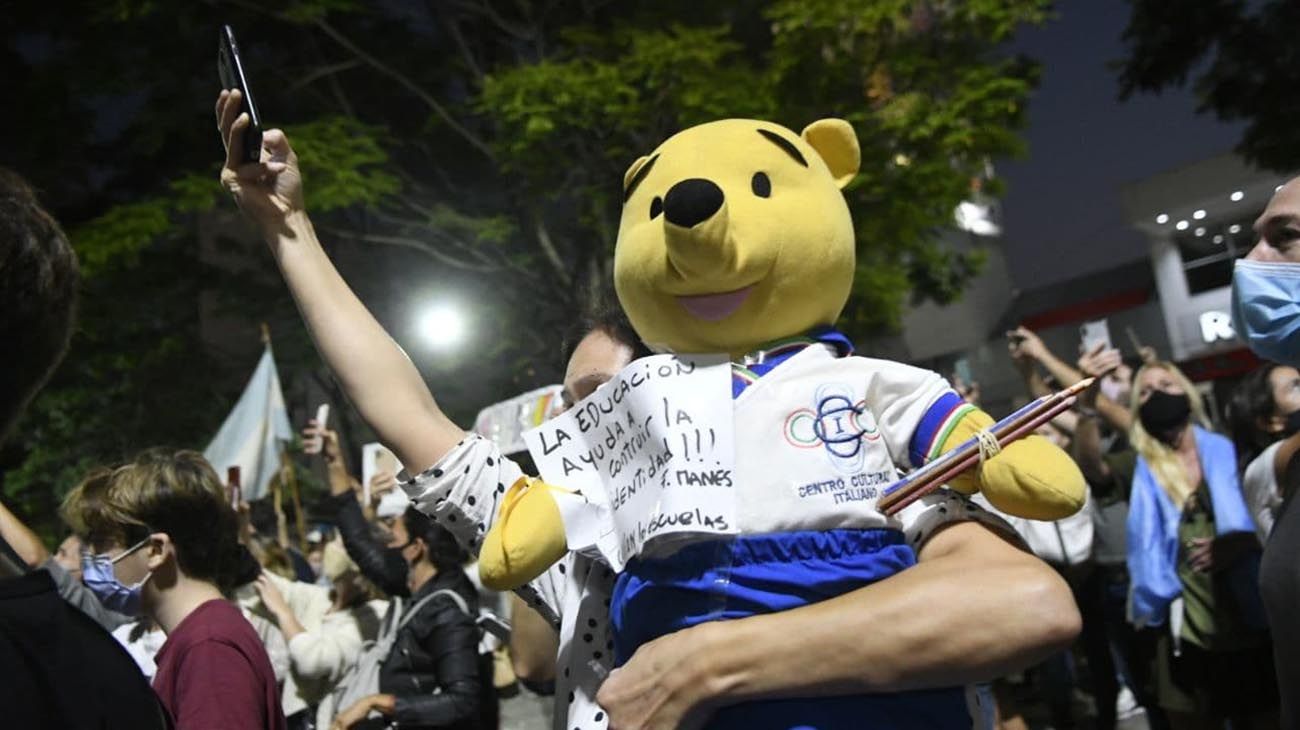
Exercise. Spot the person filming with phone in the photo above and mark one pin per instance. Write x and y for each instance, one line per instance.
(965, 571)
(1100, 446)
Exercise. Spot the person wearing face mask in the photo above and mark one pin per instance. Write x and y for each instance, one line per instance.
(1265, 418)
(1192, 556)
(1266, 313)
(433, 676)
(163, 543)
(64, 568)
(1266, 283)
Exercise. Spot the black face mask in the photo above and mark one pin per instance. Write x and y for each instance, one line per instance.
(401, 550)
(1164, 412)
(398, 552)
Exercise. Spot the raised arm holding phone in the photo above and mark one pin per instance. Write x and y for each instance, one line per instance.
(1026, 343)
(1088, 449)
(1015, 611)
(380, 379)
(1114, 380)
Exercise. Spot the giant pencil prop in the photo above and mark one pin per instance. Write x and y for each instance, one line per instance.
(966, 456)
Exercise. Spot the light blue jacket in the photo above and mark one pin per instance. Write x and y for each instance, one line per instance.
(1153, 528)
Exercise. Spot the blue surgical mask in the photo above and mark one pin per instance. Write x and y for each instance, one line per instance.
(97, 574)
(1266, 308)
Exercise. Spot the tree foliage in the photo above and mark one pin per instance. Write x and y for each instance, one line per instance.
(1239, 59)
(479, 147)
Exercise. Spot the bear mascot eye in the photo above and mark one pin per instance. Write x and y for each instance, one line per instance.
(656, 207)
(761, 185)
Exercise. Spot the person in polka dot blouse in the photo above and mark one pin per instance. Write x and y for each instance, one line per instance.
(973, 607)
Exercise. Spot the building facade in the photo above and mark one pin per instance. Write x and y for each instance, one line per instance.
(1196, 221)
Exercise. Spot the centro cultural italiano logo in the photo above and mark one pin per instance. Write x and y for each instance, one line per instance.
(837, 423)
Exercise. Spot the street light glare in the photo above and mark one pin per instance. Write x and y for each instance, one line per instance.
(442, 326)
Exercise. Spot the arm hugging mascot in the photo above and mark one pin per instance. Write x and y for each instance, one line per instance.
(735, 238)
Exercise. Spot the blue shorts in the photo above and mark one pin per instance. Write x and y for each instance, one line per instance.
(748, 575)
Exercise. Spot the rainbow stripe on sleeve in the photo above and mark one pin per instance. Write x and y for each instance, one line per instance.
(935, 426)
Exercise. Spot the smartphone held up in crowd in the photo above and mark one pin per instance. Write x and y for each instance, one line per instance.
(315, 443)
(231, 69)
(377, 459)
(1094, 334)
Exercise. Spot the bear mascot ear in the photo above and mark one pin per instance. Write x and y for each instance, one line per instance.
(836, 142)
(632, 171)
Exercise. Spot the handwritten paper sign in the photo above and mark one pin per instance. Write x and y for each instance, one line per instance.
(653, 451)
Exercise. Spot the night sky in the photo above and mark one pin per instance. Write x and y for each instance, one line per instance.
(1062, 210)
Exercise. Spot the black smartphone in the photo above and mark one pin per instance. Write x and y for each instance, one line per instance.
(231, 69)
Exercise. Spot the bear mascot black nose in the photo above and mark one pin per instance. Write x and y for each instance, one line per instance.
(692, 201)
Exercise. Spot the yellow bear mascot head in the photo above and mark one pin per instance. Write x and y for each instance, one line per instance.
(735, 234)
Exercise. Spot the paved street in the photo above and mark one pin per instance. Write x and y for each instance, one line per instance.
(526, 711)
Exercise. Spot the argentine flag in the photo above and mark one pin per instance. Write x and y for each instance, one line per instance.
(255, 433)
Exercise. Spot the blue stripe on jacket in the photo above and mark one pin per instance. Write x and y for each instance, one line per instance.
(757, 574)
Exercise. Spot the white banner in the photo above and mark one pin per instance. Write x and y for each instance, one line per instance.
(653, 451)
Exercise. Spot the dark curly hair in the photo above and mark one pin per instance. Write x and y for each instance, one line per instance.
(603, 315)
(38, 296)
(443, 551)
(1249, 408)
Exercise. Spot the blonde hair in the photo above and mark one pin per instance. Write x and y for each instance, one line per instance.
(83, 508)
(272, 557)
(175, 492)
(335, 560)
(1162, 460)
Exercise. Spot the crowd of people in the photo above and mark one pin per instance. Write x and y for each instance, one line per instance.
(1163, 560)
(215, 617)
(1185, 583)
(170, 605)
